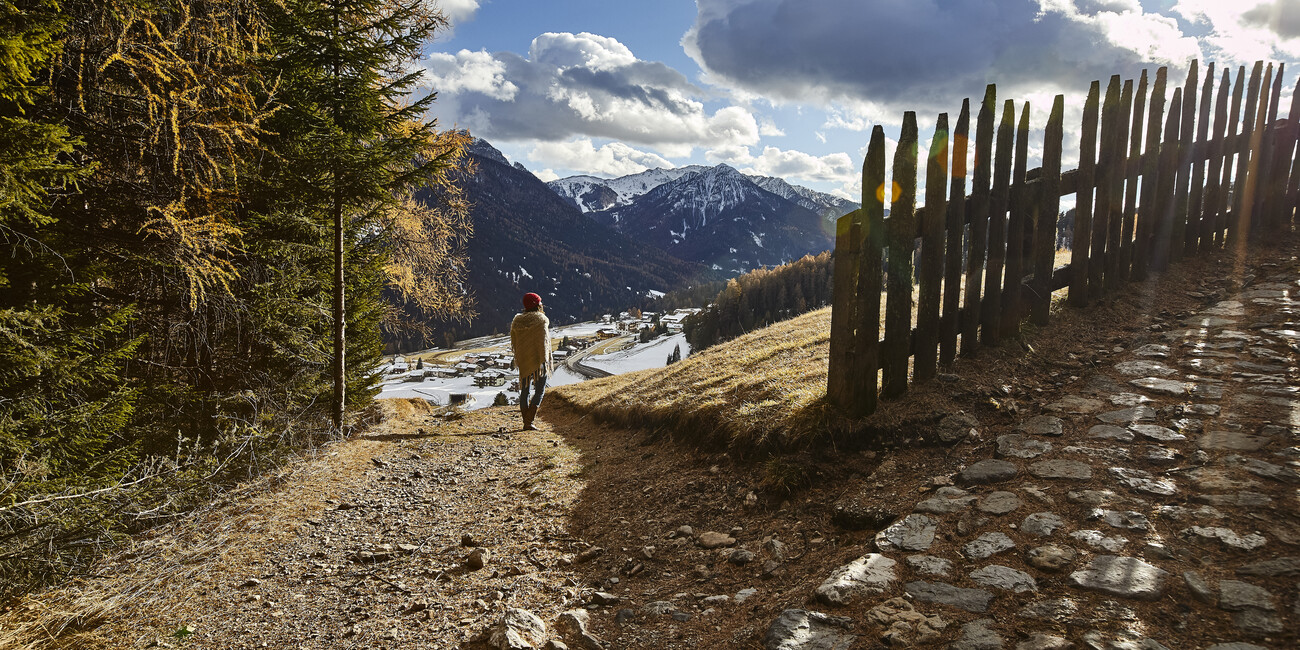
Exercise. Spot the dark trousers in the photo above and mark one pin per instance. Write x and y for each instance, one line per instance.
(538, 381)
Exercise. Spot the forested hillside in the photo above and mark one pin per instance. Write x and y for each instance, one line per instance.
(760, 298)
(201, 203)
(529, 239)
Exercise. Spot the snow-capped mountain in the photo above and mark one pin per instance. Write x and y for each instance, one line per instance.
(828, 206)
(528, 239)
(719, 217)
(592, 194)
(483, 149)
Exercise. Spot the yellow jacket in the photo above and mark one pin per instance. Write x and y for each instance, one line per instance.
(530, 337)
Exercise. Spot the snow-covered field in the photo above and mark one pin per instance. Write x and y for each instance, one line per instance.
(578, 329)
(639, 357)
(439, 391)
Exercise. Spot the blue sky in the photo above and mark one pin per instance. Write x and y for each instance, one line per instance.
(791, 88)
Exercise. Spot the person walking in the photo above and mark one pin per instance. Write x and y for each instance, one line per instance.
(530, 338)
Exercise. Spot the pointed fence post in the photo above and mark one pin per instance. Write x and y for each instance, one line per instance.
(991, 307)
(1200, 152)
(1288, 173)
(1186, 147)
(841, 386)
(932, 261)
(1271, 134)
(866, 370)
(1292, 198)
(1132, 169)
(1049, 206)
(1238, 225)
(979, 221)
(1019, 231)
(956, 226)
(1149, 210)
(901, 232)
(1250, 183)
(1109, 153)
(1214, 188)
(1080, 244)
(1280, 165)
(1115, 250)
(1164, 226)
(1231, 147)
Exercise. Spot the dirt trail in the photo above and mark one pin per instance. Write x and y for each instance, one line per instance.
(365, 546)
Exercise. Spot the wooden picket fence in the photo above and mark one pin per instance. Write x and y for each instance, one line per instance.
(1145, 199)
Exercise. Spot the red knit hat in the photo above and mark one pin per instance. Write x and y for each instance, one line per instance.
(531, 301)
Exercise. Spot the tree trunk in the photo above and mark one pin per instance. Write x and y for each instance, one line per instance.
(339, 319)
(338, 373)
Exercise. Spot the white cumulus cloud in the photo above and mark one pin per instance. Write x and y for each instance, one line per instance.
(1243, 31)
(581, 86)
(470, 72)
(787, 164)
(925, 53)
(613, 159)
(458, 11)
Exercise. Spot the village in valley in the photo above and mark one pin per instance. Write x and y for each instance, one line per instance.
(481, 372)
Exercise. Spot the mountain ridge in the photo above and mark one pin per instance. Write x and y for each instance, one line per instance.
(721, 218)
(528, 239)
(594, 194)
(585, 191)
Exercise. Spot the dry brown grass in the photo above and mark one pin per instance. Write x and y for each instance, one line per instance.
(764, 389)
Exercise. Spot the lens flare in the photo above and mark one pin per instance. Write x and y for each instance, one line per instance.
(894, 190)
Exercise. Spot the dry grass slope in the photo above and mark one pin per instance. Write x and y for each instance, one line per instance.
(763, 390)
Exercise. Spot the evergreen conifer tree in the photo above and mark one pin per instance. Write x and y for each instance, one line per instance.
(358, 146)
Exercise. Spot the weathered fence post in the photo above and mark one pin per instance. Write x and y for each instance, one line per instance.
(1200, 151)
(901, 233)
(1132, 167)
(1020, 230)
(1288, 172)
(1079, 245)
(1049, 206)
(867, 341)
(1280, 167)
(1108, 155)
(1271, 140)
(979, 221)
(1251, 181)
(1162, 233)
(949, 327)
(931, 272)
(1115, 250)
(1238, 225)
(841, 387)
(1213, 181)
(1186, 147)
(991, 306)
(1149, 210)
(1230, 147)
(1292, 202)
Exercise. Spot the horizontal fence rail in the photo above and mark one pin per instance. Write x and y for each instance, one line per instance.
(1161, 177)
